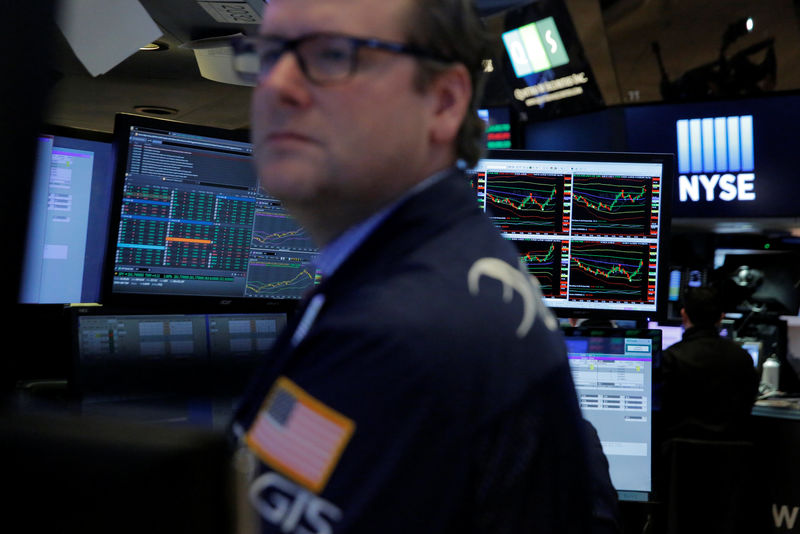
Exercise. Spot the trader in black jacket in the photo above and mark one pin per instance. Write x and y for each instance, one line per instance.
(423, 387)
(708, 383)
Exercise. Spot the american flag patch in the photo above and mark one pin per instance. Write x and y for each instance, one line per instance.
(297, 434)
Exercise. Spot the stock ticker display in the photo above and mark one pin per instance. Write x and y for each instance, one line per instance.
(589, 231)
(193, 222)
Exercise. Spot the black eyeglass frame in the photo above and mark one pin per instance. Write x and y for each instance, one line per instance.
(245, 43)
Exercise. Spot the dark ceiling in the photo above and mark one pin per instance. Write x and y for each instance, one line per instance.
(617, 36)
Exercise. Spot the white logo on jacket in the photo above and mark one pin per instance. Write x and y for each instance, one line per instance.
(291, 507)
(513, 279)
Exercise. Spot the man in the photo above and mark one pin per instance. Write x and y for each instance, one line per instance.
(423, 387)
(708, 383)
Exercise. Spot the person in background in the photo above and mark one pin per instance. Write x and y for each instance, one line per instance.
(708, 384)
(423, 386)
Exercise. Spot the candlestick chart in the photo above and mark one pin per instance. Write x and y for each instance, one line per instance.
(525, 202)
(542, 259)
(609, 271)
(618, 206)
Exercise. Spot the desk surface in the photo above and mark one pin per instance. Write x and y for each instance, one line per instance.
(784, 408)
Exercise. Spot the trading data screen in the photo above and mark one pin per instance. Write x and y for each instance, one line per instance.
(68, 220)
(613, 374)
(194, 222)
(119, 354)
(590, 230)
(104, 338)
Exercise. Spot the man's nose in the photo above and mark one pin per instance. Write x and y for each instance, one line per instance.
(286, 68)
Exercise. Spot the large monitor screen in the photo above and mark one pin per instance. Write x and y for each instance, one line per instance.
(613, 373)
(68, 217)
(190, 219)
(591, 227)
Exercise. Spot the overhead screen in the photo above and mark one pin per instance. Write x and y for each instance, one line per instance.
(68, 217)
(540, 68)
(190, 220)
(591, 227)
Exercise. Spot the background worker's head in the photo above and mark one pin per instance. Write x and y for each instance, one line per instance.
(701, 307)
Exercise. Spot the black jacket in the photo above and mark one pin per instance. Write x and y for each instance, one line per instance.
(450, 396)
(708, 385)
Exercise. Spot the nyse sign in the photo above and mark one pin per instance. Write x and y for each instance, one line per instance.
(716, 159)
(704, 187)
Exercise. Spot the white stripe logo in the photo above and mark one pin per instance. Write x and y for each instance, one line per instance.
(715, 144)
(716, 156)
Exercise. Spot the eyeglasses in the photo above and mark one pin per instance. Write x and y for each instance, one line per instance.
(324, 58)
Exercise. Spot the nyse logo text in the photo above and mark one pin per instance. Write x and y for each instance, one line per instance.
(716, 159)
(731, 187)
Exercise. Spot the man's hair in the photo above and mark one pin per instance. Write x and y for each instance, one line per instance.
(452, 29)
(702, 305)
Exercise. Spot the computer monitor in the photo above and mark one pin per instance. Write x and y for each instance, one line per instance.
(753, 348)
(613, 373)
(542, 61)
(119, 351)
(68, 217)
(670, 334)
(764, 278)
(501, 129)
(680, 279)
(190, 221)
(591, 226)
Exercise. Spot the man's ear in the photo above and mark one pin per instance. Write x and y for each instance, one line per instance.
(451, 91)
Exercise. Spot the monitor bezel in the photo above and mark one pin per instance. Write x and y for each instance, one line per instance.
(122, 124)
(58, 130)
(667, 179)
